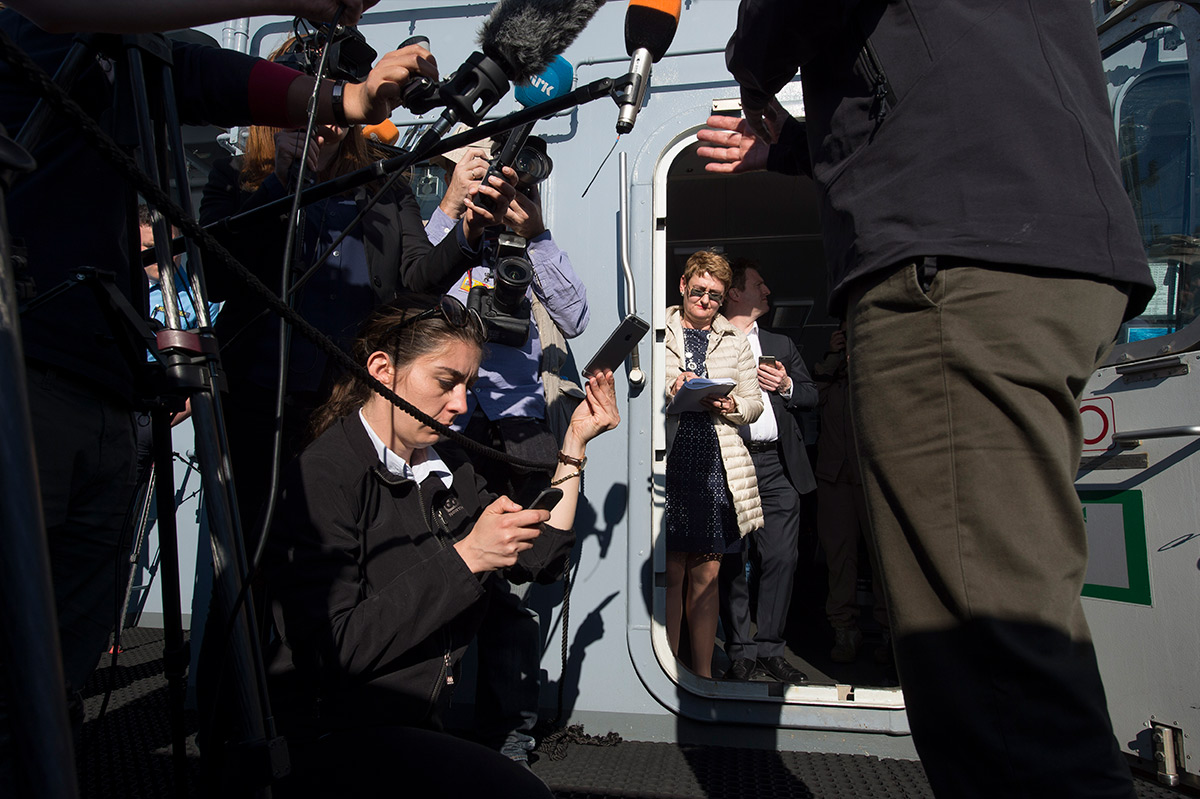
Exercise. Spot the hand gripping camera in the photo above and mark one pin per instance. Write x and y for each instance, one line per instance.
(505, 308)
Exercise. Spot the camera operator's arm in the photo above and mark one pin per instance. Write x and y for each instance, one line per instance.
(554, 280)
(428, 265)
(226, 88)
(147, 16)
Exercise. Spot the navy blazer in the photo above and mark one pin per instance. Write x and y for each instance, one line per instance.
(804, 397)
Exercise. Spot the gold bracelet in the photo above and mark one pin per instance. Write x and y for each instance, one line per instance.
(566, 459)
(565, 478)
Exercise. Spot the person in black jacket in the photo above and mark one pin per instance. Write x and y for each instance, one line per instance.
(984, 266)
(387, 253)
(378, 563)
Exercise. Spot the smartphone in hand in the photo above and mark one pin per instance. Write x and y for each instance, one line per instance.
(620, 343)
(546, 500)
(767, 360)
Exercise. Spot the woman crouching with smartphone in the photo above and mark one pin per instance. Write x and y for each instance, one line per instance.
(377, 564)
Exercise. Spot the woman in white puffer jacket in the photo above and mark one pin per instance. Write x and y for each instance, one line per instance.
(712, 493)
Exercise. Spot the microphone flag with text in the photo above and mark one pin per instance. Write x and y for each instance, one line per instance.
(553, 81)
(650, 27)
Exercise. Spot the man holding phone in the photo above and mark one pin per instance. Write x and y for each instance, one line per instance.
(776, 446)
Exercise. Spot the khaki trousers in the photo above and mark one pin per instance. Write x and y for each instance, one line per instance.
(965, 399)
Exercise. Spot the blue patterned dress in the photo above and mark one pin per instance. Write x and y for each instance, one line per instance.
(700, 514)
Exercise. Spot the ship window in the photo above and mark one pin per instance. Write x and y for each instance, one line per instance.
(1149, 91)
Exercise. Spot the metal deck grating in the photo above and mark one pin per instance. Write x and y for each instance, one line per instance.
(126, 755)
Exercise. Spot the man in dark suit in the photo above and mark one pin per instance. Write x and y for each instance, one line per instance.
(777, 448)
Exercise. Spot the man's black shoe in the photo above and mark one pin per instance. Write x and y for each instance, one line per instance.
(741, 670)
(777, 668)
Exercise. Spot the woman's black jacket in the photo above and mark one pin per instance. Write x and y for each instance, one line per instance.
(373, 604)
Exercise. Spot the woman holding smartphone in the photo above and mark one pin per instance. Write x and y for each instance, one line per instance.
(712, 493)
(377, 564)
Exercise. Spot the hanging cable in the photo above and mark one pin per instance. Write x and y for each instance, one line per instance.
(295, 230)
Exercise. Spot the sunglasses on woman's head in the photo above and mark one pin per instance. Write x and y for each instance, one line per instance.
(451, 310)
(716, 296)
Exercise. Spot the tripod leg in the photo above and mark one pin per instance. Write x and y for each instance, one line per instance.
(139, 531)
(175, 652)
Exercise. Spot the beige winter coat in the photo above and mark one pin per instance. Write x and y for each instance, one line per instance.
(729, 355)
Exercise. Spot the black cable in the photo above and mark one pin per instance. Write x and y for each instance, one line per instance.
(294, 230)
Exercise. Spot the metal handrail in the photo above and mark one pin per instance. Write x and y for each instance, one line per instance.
(1133, 437)
(636, 376)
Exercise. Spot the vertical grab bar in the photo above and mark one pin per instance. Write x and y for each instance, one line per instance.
(636, 376)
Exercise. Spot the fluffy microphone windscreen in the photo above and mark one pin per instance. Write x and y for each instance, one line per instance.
(651, 25)
(524, 35)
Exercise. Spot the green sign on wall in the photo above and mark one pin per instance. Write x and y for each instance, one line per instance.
(1118, 568)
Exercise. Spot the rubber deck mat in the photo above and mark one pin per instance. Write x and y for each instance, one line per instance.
(126, 755)
(638, 769)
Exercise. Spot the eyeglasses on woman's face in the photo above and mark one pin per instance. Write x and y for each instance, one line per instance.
(715, 296)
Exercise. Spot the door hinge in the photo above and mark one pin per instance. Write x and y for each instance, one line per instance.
(1170, 762)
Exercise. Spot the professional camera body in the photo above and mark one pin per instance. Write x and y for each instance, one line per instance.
(505, 308)
(350, 57)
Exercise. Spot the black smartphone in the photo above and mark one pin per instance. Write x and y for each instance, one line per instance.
(768, 360)
(620, 343)
(546, 500)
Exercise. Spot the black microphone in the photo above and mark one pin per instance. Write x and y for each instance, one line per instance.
(650, 26)
(420, 94)
(516, 42)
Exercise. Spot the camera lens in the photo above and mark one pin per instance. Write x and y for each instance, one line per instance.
(513, 276)
(532, 164)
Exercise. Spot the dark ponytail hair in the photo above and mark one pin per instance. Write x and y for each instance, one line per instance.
(385, 330)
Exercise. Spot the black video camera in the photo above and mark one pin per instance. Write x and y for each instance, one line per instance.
(505, 308)
(350, 57)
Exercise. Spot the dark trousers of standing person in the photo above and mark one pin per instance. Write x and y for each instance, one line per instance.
(841, 523)
(509, 641)
(84, 442)
(965, 398)
(773, 556)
